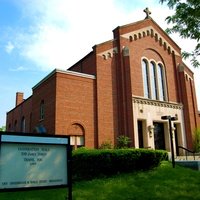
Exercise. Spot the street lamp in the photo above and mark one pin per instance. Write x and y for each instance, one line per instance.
(170, 119)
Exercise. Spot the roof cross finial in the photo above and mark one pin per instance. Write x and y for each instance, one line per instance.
(148, 12)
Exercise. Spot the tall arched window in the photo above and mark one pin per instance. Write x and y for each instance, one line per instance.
(145, 75)
(153, 80)
(15, 126)
(42, 110)
(161, 83)
(154, 92)
(23, 124)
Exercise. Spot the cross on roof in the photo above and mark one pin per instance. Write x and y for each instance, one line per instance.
(148, 12)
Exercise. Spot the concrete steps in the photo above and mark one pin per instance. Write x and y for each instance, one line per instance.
(189, 158)
(189, 161)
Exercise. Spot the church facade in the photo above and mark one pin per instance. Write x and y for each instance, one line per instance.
(122, 87)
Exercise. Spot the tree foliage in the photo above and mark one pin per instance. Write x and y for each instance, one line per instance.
(196, 141)
(186, 22)
(3, 128)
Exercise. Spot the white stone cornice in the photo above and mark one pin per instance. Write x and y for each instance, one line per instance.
(150, 31)
(73, 73)
(139, 100)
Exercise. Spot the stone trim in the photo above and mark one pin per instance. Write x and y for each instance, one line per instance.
(151, 102)
(150, 31)
(187, 76)
(181, 68)
(108, 53)
(73, 73)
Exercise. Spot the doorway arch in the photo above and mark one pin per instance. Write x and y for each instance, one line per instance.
(77, 135)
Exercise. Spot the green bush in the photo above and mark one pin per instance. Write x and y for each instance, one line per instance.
(106, 145)
(123, 142)
(89, 164)
(196, 141)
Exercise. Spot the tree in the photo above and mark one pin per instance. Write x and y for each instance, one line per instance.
(3, 128)
(186, 22)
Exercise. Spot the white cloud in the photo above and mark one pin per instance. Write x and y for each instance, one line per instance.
(64, 31)
(21, 68)
(9, 47)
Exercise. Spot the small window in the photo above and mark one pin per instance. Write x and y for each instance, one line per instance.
(42, 110)
(77, 141)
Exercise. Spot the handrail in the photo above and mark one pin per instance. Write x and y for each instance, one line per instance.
(187, 150)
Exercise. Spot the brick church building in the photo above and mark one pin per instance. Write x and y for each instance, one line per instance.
(122, 87)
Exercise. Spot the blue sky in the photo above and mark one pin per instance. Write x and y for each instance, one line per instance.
(37, 36)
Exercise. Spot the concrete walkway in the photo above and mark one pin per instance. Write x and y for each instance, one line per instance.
(189, 161)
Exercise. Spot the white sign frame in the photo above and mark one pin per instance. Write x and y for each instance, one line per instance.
(33, 161)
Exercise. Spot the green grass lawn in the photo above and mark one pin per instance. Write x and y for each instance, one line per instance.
(163, 183)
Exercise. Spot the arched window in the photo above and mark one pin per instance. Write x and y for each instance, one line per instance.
(15, 126)
(9, 127)
(145, 75)
(153, 80)
(161, 82)
(30, 123)
(154, 93)
(42, 110)
(23, 125)
(77, 135)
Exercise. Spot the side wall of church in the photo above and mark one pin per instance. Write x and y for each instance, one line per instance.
(106, 93)
(75, 104)
(44, 93)
(85, 65)
(15, 116)
(190, 103)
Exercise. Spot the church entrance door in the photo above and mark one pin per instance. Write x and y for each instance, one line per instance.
(159, 136)
(140, 134)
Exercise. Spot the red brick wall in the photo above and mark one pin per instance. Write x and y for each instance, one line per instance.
(190, 104)
(75, 103)
(45, 91)
(85, 65)
(107, 115)
(149, 48)
(16, 115)
(143, 24)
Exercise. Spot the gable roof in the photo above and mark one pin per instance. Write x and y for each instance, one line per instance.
(142, 28)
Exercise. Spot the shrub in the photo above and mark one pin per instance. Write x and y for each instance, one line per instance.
(123, 142)
(106, 145)
(88, 164)
(197, 140)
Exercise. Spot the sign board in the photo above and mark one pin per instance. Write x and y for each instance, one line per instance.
(33, 161)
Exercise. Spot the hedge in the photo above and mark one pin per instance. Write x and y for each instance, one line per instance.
(89, 164)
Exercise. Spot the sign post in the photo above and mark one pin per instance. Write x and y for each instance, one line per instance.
(34, 162)
(170, 119)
